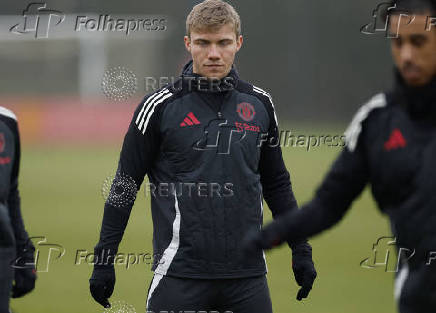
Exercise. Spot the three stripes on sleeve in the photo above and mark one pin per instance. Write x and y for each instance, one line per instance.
(148, 108)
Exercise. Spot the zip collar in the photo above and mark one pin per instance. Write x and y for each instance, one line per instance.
(419, 102)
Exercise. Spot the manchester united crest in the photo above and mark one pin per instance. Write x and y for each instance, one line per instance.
(245, 111)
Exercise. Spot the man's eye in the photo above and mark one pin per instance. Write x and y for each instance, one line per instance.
(417, 41)
(397, 41)
(224, 43)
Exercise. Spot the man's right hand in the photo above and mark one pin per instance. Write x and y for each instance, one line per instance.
(265, 239)
(25, 271)
(101, 283)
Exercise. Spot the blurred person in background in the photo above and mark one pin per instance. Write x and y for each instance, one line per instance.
(171, 139)
(391, 144)
(17, 270)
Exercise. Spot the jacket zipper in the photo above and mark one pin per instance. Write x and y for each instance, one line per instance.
(212, 107)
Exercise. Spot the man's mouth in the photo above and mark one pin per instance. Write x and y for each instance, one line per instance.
(213, 65)
(412, 72)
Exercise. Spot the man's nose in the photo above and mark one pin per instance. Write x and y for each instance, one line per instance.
(213, 52)
(406, 53)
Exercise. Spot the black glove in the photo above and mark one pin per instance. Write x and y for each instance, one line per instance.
(304, 269)
(102, 282)
(25, 272)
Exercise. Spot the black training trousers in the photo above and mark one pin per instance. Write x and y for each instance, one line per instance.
(239, 295)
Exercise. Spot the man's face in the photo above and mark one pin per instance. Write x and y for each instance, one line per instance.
(414, 50)
(213, 51)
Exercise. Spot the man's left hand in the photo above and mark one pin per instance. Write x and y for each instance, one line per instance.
(304, 269)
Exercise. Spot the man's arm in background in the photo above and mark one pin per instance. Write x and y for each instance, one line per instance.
(25, 272)
(140, 147)
(278, 194)
(346, 179)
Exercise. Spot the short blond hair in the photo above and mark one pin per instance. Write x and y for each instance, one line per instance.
(212, 14)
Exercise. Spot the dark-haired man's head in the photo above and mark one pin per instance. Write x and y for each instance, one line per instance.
(413, 25)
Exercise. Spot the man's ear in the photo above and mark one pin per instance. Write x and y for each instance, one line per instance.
(239, 42)
(187, 43)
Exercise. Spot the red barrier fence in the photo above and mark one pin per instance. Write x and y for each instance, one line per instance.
(69, 120)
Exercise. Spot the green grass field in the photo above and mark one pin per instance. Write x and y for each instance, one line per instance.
(61, 199)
